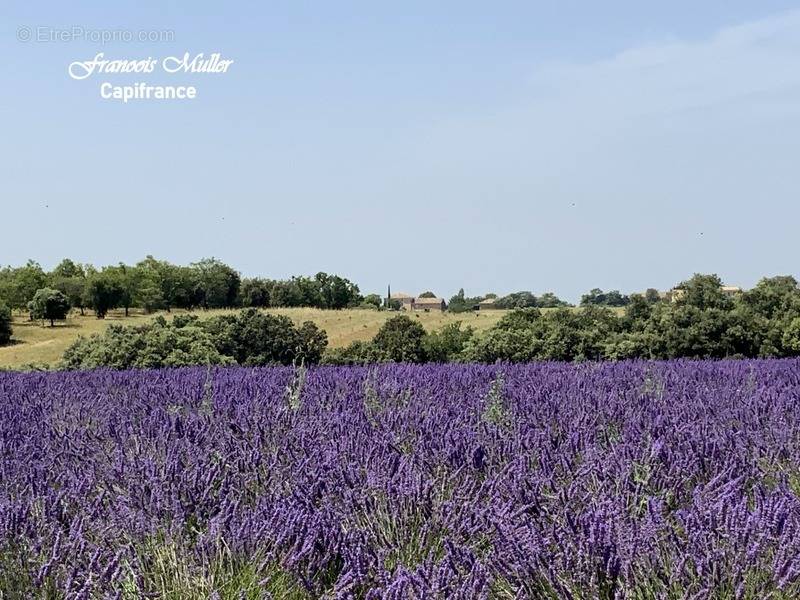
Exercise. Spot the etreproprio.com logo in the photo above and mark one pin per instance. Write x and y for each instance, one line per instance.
(43, 34)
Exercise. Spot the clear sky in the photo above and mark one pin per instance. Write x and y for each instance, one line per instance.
(494, 146)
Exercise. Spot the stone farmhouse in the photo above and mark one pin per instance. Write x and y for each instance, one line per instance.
(408, 302)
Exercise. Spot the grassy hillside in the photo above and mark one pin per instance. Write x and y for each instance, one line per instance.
(37, 344)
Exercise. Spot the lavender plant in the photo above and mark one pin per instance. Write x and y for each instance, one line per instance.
(626, 480)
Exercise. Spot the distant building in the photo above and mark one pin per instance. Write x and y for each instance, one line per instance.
(487, 304)
(730, 290)
(676, 294)
(428, 304)
(408, 302)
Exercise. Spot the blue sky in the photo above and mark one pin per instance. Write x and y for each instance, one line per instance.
(492, 146)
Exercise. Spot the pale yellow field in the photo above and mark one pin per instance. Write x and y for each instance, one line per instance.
(37, 344)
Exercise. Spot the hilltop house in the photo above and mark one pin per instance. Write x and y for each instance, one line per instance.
(411, 303)
(429, 304)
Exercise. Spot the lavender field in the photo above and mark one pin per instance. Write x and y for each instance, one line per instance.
(625, 480)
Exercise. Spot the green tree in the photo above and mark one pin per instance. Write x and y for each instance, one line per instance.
(521, 299)
(637, 312)
(550, 300)
(400, 339)
(791, 336)
(68, 269)
(335, 292)
(287, 293)
(461, 303)
(150, 297)
(255, 292)
(394, 304)
(593, 296)
(565, 334)
(216, 284)
(127, 282)
(652, 295)
(176, 284)
(372, 301)
(22, 283)
(774, 297)
(49, 305)
(703, 292)
(309, 291)
(5, 324)
(104, 293)
(525, 299)
(6, 284)
(146, 285)
(74, 288)
(687, 331)
(597, 297)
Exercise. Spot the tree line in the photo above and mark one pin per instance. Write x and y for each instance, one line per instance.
(154, 285)
(701, 322)
(462, 303)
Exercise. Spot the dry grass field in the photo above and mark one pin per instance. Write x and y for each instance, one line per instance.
(36, 344)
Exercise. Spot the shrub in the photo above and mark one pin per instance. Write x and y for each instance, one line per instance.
(155, 345)
(563, 334)
(506, 345)
(313, 342)
(400, 339)
(248, 338)
(357, 353)
(447, 344)
(255, 338)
